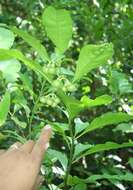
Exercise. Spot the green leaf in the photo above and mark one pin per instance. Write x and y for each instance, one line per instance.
(80, 125)
(81, 186)
(4, 108)
(80, 148)
(3, 137)
(58, 25)
(93, 178)
(59, 127)
(117, 184)
(107, 119)
(19, 101)
(59, 156)
(74, 106)
(101, 100)
(131, 162)
(9, 54)
(119, 84)
(10, 69)
(32, 41)
(19, 123)
(27, 83)
(14, 135)
(6, 54)
(91, 57)
(6, 38)
(124, 127)
(105, 147)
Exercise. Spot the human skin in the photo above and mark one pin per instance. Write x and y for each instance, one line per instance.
(20, 164)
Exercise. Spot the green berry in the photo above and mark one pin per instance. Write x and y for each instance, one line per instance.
(49, 66)
(64, 88)
(49, 102)
(71, 88)
(43, 99)
(57, 100)
(67, 83)
(54, 105)
(45, 69)
(56, 83)
(52, 70)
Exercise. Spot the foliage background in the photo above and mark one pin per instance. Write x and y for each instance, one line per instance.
(94, 22)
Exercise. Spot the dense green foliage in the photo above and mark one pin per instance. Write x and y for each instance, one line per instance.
(68, 63)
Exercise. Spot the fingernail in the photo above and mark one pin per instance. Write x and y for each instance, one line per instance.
(14, 147)
(46, 146)
(47, 127)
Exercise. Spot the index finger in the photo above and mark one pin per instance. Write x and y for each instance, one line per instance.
(42, 144)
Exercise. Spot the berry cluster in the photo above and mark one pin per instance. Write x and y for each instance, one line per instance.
(50, 100)
(60, 82)
(51, 69)
(64, 84)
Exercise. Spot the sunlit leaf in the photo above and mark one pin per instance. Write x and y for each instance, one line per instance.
(9, 54)
(91, 57)
(10, 69)
(6, 38)
(58, 25)
(101, 100)
(4, 108)
(32, 41)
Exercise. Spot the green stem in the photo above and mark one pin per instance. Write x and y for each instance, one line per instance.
(71, 156)
(35, 108)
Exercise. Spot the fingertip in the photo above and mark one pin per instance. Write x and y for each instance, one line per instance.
(47, 128)
(42, 144)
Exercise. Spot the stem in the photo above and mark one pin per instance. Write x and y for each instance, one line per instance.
(35, 107)
(32, 116)
(71, 156)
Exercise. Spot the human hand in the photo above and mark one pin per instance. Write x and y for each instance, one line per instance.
(20, 165)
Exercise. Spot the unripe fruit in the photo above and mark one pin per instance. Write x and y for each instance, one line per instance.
(68, 86)
(54, 105)
(49, 65)
(49, 102)
(71, 88)
(52, 71)
(57, 83)
(57, 100)
(43, 99)
(45, 69)
(64, 88)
